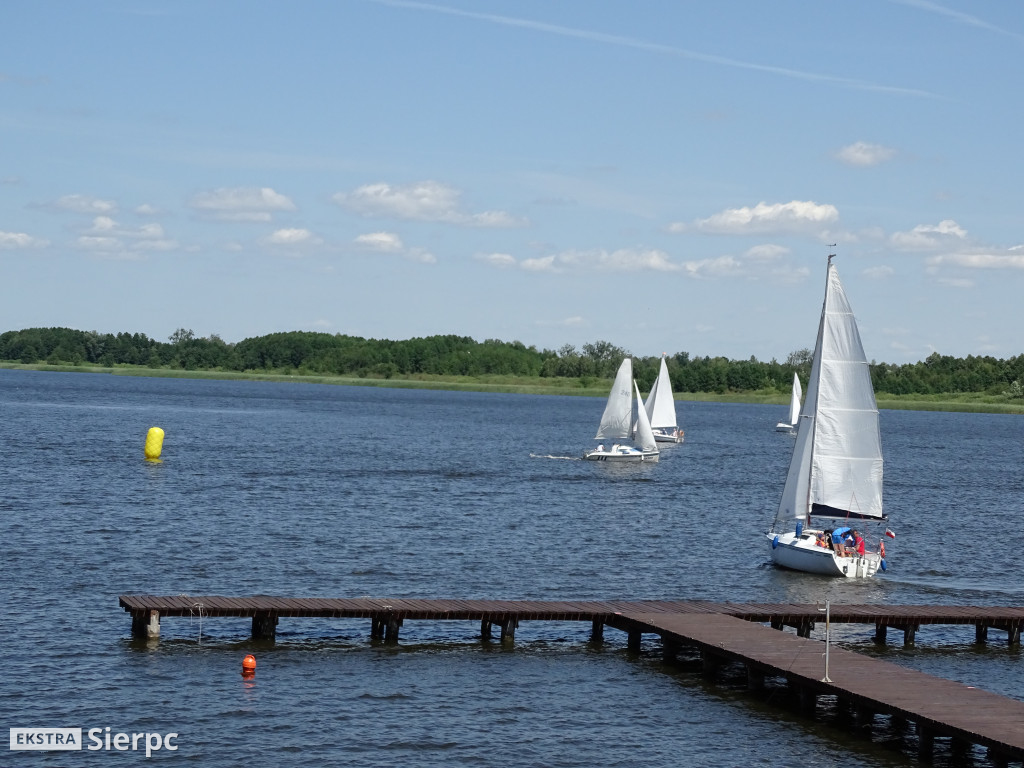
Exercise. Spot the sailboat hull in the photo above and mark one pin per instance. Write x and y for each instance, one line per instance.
(784, 427)
(668, 435)
(802, 554)
(621, 453)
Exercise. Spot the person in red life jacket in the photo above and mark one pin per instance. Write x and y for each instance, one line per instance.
(858, 543)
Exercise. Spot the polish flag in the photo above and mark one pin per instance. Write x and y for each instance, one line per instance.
(890, 534)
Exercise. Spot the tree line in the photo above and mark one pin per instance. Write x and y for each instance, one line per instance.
(308, 353)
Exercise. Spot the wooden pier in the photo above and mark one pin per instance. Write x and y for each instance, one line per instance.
(719, 634)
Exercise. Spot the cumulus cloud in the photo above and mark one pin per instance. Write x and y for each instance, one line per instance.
(293, 237)
(929, 237)
(85, 204)
(767, 252)
(241, 203)
(862, 154)
(721, 266)
(764, 218)
(422, 201)
(108, 239)
(18, 240)
(501, 260)
(979, 260)
(878, 273)
(383, 242)
(621, 260)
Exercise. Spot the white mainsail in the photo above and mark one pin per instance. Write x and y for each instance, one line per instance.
(617, 419)
(660, 406)
(836, 467)
(644, 433)
(794, 402)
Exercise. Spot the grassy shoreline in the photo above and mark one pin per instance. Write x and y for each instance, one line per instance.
(960, 402)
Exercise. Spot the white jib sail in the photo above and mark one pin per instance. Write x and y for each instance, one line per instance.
(617, 419)
(644, 434)
(660, 406)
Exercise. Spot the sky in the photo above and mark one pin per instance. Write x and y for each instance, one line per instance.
(667, 176)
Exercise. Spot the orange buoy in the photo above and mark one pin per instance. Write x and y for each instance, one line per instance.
(249, 663)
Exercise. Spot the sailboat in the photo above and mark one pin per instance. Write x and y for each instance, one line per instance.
(794, 408)
(617, 423)
(835, 474)
(661, 409)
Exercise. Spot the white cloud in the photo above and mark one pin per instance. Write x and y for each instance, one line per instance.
(241, 203)
(722, 266)
(573, 321)
(85, 204)
(929, 237)
(539, 264)
(767, 252)
(878, 273)
(421, 256)
(106, 238)
(501, 260)
(17, 240)
(863, 154)
(383, 242)
(146, 210)
(423, 201)
(293, 237)
(979, 260)
(764, 218)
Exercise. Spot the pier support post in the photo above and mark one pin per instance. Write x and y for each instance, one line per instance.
(264, 626)
(391, 629)
(709, 664)
(880, 632)
(980, 633)
(633, 640)
(908, 634)
(146, 624)
(777, 624)
(1013, 635)
(597, 631)
(865, 716)
(998, 759)
(485, 629)
(376, 629)
(755, 679)
(804, 628)
(508, 629)
(808, 702)
(925, 742)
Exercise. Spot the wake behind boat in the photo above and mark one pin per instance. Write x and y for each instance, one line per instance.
(835, 474)
(661, 409)
(617, 423)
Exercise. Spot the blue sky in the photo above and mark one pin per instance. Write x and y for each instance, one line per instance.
(665, 176)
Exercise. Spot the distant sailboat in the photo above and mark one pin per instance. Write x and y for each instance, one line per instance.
(617, 423)
(794, 408)
(661, 409)
(836, 470)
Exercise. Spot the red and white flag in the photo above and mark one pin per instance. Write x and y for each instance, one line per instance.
(890, 534)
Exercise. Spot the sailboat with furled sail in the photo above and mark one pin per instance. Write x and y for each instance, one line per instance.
(617, 423)
(835, 474)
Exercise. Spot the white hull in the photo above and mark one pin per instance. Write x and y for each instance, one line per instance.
(803, 554)
(784, 427)
(668, 435)
(621, 453)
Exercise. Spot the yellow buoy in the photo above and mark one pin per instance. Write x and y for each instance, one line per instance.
(154, 443)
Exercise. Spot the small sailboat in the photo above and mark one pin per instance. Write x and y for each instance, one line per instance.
(835, 474)
(617, 423)
(661, 409)
(794, 408)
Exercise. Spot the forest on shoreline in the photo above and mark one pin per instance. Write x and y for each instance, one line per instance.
(351, 359)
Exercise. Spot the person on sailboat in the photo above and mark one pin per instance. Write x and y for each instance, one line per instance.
(858, 543)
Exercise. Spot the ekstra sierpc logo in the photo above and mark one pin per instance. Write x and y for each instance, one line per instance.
(96, 739)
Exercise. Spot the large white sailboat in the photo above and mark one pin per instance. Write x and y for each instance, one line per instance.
(794, 408)
(617, 423)
(835, 475)
(661, 409)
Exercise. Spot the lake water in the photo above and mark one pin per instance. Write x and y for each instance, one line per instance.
(309, 490)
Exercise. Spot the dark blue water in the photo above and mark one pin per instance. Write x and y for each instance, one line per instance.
(298, 489)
